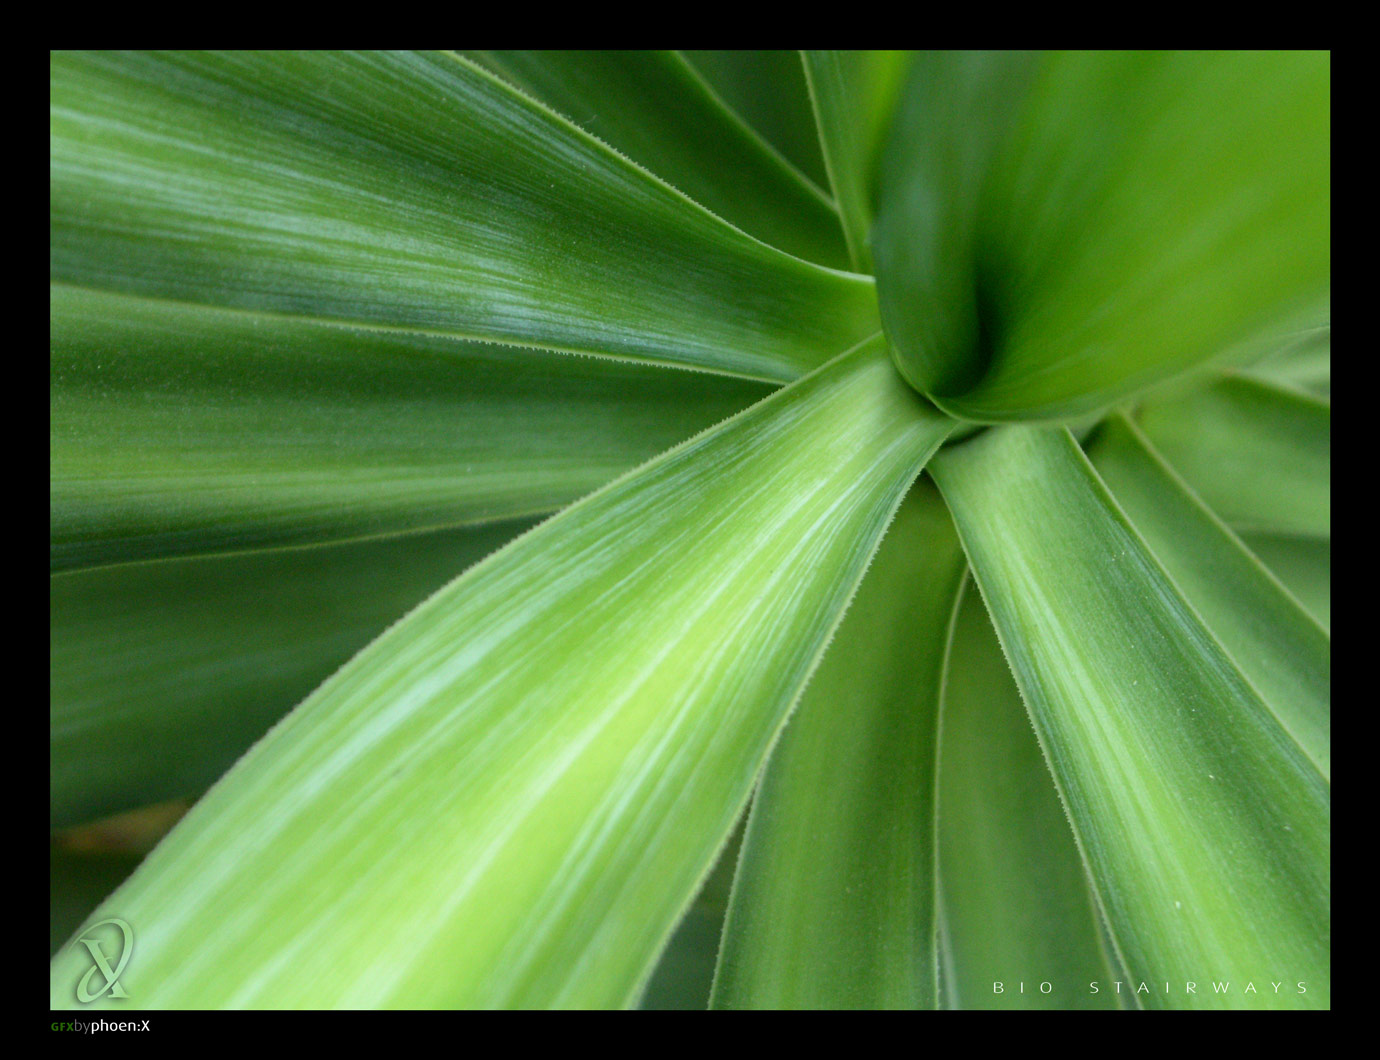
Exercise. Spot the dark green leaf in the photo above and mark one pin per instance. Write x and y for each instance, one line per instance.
(179, 429)
(767, 89)
(413, 191)
(656, 109)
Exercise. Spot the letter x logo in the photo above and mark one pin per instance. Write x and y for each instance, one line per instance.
(102, 964)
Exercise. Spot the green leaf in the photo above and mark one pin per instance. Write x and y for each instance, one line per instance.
(86, 864)
(1204, 825)
(181, 429)
(659, 111)
(833, 902)
(412, 191)
(767, 89)
(1057, 232)
(1258, 454)
(161, 674)
(77, 883)
(510, 797)
(1270, 638)
(1304, 565)
(953, 116)
(1304, 362)
(684, 973)
(1016, 905)
(854, 94)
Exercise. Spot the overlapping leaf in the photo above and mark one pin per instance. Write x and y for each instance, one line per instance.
(313, 317)
(660, 112)
(953, 117)
(510, 797)
(86, 864)
(854, 94)
(77, 884)
(1271, 639)
(833, 903)
(1204, 824)
(1019, 921)
(1303, 361)
(180, 429)
(162, 673)
(766, 87)
(1055, 232)
(411, 191)
(1304, 565)
(1257, 453)
(684, 973)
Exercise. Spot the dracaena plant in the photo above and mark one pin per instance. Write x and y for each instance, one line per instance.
(483, 481)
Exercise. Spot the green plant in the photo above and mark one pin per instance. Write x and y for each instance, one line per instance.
(330, 333)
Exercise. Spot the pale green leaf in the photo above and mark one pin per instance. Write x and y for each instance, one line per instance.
(1056, 232)
(161, 674)
(1258, 454)
(180, 429)
(510, 797)
(660, 112)
(416, 191)
(1203, 823)
(833, 902)
(1271, 639)
(767, 90)
(1016, 905)
(854, 94)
